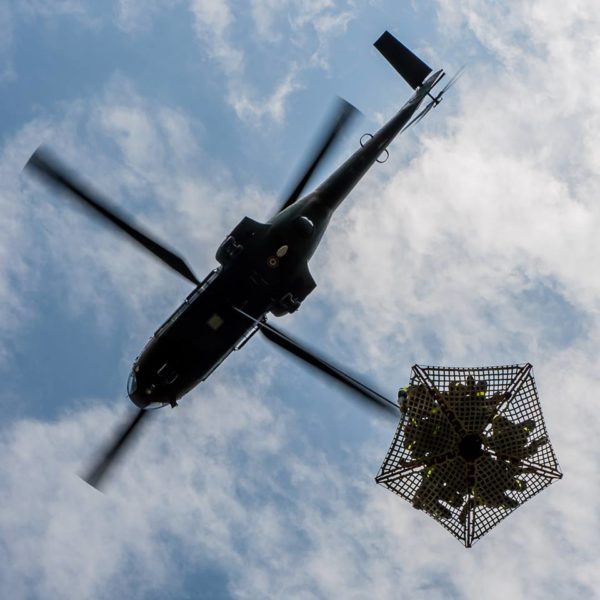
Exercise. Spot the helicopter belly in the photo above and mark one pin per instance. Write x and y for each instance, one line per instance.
(187, 349)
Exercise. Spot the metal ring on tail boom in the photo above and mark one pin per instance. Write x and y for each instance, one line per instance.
(387, 155)
(369, 137)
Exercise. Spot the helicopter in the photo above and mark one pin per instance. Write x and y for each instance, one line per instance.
(263, 267)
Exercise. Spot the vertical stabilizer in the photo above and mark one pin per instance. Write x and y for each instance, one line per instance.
(411, 67)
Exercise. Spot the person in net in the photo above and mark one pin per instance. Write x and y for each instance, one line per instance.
(510, 440)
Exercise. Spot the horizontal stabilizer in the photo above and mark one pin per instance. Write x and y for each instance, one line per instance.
(411, 67)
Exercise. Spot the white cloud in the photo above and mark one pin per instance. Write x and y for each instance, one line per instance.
(540, 21)
(333, 23)
(134, 16)
(213, 21)
(18, 252)
(322, 15)
(306, 11)
(265, 13)
(79, 9)
(254, 111)
(181, 480)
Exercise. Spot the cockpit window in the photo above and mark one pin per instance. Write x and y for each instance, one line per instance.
(180, 310)
(131, 383)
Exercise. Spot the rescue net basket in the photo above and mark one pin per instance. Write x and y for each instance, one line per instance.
(471, 446)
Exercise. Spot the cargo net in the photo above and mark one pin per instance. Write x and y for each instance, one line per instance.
(471, 446)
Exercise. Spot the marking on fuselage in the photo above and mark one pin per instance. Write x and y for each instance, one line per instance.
(215, 322)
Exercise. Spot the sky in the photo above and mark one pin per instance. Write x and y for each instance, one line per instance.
(475, 244)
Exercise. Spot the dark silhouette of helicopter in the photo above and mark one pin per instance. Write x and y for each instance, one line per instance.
(263, 266)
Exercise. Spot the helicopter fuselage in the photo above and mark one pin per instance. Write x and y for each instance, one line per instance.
(264, 268)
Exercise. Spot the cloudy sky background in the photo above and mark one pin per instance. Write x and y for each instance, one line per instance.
(476, 244)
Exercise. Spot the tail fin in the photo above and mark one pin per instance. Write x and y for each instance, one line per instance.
(411, 67)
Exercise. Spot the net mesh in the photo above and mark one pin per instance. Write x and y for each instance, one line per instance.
(471, 446)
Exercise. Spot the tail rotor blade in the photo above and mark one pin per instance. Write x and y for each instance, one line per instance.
(97, 474)
(437, 99)
(420, 115)
(342, 117)
(453, 80)
(48, 167)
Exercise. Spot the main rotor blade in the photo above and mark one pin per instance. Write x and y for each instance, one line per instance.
(45, 165)
(342, 116)
(283, 340)
(97, 474)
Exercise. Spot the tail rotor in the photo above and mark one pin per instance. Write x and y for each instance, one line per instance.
(435, 100)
